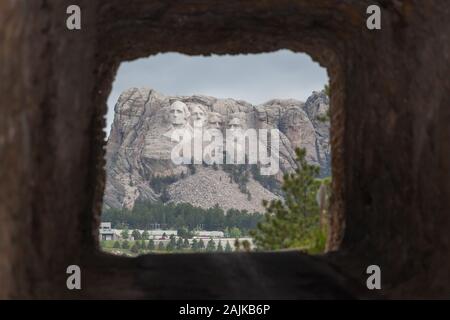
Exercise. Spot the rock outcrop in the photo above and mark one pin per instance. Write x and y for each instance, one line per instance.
(139, 165)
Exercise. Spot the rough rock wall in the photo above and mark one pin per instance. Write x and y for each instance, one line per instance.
(397, 146)
(139, 147)
(48, 149)
(389, 136)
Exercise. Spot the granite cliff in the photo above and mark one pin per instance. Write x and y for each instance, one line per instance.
(139, 166)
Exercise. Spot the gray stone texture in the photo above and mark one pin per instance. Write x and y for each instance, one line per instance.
(139, 149)
(390, 138)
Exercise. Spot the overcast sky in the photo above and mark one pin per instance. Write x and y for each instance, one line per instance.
(255, 78)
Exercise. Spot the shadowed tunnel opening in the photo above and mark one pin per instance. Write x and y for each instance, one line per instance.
(389, 129)
(154, 204)
(240, 266)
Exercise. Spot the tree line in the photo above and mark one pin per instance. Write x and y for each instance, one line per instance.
(146, 214)
(178, 245)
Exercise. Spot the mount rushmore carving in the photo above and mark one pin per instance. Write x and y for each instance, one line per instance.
(144, 133)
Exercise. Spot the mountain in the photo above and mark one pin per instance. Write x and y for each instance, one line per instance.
(139, 148)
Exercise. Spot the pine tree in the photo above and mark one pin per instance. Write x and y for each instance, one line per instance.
(151, 245)
(293, 223)
(201, 245)
(246, 245)
(179, 245)
(172, 244)
(125, 244)
(135, 248)
(136, 235)
(182, 232)
(235, 232)
(228, 247)
(125, 234)
(194, 245)
(116, 245)
(237, 245)
(219, 246)
(145, 235)
(186, 243)
(211, 246)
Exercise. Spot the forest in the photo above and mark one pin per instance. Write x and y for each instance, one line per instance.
(148, 215)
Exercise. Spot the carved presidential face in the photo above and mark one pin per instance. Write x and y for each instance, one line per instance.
(235, 124)
(235, 127)
(261, 115)
(264, 120)
(214, 121)
(178, 113)
(198, 116)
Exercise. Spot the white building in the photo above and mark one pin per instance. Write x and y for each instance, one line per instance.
(209, 234)
(106, 233)
(153, 234)
(158, 234)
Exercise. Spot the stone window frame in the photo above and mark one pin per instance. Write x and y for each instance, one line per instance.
(244, 39)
